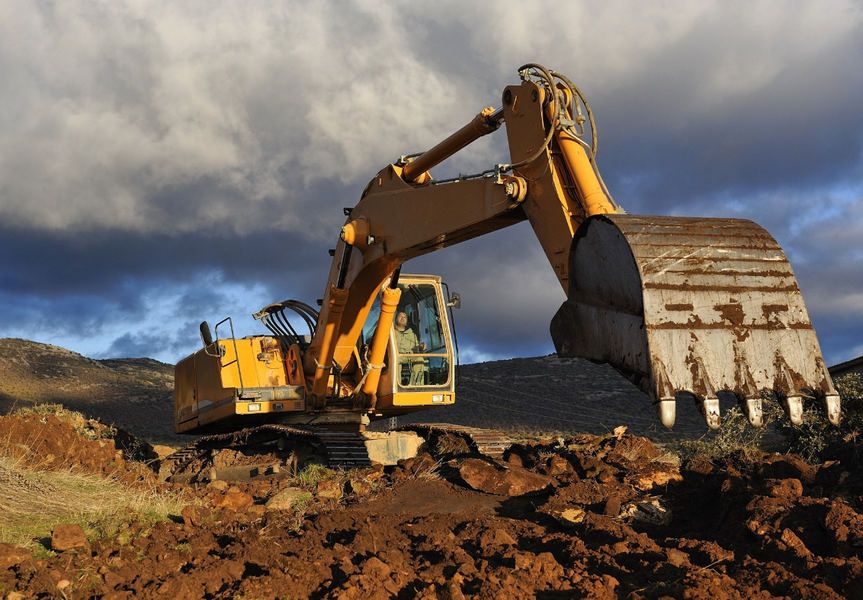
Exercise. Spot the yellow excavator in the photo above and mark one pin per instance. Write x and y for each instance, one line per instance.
(685, 308)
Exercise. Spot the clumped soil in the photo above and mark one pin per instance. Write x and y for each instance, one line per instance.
(617, 519)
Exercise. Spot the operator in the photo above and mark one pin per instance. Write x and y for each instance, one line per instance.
(406, 338)
(407, 343)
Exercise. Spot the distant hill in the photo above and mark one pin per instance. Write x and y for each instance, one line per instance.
(549, 395)
(531, 396)
(135, 393)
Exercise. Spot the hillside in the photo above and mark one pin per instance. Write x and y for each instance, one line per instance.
(545, 395)
(136, 393)
(522, 395)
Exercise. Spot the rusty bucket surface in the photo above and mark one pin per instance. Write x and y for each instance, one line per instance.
(688, 307)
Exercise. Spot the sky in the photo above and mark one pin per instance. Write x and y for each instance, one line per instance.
(162, 163)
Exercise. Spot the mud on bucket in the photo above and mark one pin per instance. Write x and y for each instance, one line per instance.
(692, 307)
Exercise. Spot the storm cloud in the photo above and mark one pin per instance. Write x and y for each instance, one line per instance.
(163, 163)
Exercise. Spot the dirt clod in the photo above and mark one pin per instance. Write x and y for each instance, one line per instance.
(495, 477)
(68, 536)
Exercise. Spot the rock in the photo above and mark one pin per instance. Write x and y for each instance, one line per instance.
(785, 488)
(237, 502)
(612, 506)
(195, 515)
(676, 558)
(556, 466)
(329, 490)
(285, 499)
(256, 511)
(68, 536)
(376, 568)
(359, 487)
(495, 538)
(651, 512)
(514, 458)
(571, 517)
(218, 485)
(452, 591)
(629, 449)
(501, 478)
(523, 560)
(647, 481)
(373, 474)
(843, 522)
(605, 476)
(424, 464)
(113, 579)
(11, 555)
(795, 544)
(519, 453)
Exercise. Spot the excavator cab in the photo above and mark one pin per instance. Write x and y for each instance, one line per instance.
(419, 368)
(421, 338)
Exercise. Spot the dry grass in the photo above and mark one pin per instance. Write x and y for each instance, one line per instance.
(32, 503)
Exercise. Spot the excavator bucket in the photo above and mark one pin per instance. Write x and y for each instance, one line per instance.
(693, 308)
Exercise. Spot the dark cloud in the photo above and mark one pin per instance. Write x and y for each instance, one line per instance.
(165, 164)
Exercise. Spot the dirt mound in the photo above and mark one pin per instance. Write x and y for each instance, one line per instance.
(618, 519)
(64, 440)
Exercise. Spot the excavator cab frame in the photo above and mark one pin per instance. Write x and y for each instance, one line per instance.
(419, 373)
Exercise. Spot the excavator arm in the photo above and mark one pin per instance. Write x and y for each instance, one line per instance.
(683, 307)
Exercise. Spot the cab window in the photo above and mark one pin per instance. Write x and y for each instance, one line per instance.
(420, 338)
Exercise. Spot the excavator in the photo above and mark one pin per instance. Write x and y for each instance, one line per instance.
(688, 309)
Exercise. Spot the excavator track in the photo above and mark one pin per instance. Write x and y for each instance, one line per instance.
(344, 449)
(341, 449)
(178, 461)
(485, 441)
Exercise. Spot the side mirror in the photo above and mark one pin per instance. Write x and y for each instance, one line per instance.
(206, 334)
(454, 300)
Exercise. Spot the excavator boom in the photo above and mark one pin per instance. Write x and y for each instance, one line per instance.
(685, 308)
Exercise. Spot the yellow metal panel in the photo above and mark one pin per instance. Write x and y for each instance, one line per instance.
(185, 408)
(219, 413)
(274, 406)
(260, 361)
(208, 373)
(423, 398)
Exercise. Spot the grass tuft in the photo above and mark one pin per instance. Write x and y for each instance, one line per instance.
(313, 474)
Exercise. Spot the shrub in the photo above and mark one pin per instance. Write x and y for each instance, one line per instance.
(735, 433)
(815, 440)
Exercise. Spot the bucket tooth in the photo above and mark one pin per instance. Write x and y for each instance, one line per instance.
(754, 411)
(793, 406)
(833, 408)
(709, 408)
(666, 408)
